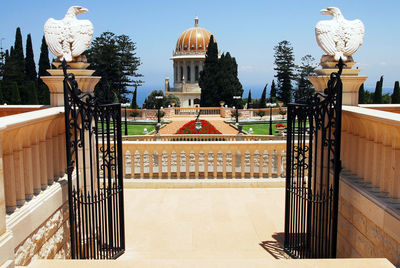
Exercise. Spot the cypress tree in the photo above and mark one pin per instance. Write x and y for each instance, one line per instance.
(29, 90)
(378, 92)
(361, 95)
(30, 67)
(272, 95)
(396, 93)
(6, 83)
(18, 59)
(207, 81)
(134, 101)
(284, 62)
(15, 97)
(227, 81)
(263, 98)
(44, 64)
(249, 99)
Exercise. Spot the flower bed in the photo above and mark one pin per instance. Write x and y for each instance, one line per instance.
(206, 128)
(280, 125)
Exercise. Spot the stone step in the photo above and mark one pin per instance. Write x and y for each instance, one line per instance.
(211, 263)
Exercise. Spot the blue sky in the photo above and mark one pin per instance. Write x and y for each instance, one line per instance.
(247, 29)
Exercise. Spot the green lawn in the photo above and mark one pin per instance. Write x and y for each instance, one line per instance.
(263, 129)
(137, 129)
(134, 129)
(260, 129)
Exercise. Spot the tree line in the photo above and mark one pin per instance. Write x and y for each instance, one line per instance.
(376, 97)
(20, 82)
(112, 57)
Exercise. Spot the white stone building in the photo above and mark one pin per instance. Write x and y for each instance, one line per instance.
(188, 59)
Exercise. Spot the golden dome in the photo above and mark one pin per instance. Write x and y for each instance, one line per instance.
(193, 40)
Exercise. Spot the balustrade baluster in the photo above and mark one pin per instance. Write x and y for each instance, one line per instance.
(141, 164)
(28, 172)
(261, 165)
(178, 165)
(169, 165)
(50, 159)
(196, 165)
(215, 154)
(279, 163)
(56, 159)
(234, 164)
(252, 164)
(151, 159)
(19, 176)
(270, 156)
(224, 165)
(36, 168)
(9, 184)
(160, 165)
(187, 158)
(242, 162)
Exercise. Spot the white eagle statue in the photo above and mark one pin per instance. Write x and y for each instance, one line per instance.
(69, 38)
(339, 37)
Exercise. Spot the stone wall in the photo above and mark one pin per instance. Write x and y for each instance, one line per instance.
(49, 241)
(367, 228)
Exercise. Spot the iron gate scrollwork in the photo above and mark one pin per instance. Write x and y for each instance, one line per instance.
(312, 172)
(94, 168)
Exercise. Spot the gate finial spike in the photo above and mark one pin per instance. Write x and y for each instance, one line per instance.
(340, 65)
(64, 67)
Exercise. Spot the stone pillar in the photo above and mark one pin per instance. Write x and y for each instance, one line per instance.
(350, 79)
(86, 82)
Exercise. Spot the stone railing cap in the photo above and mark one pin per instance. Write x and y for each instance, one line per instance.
(373, 114)
(18, 120)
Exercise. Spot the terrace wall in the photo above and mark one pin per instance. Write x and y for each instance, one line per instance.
(33, 192)
(369, 205)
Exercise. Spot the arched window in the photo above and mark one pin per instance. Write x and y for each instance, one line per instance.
(190, 102)
(196, 73)
(176, 73)
(181, 73)
(188, 73)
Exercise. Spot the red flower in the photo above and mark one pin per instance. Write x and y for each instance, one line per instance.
(190, 128)
(280, 125)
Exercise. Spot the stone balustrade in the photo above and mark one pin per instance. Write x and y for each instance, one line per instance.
(204, 160)
(194, 111)
(371, 147)
(32, 151)
(202, 137)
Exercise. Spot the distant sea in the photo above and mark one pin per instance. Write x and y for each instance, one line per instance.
(256, 91)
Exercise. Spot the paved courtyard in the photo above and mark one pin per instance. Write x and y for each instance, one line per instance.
(204, 223)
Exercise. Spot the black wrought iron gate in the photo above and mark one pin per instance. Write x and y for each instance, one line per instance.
(94, 167)
(312, 173)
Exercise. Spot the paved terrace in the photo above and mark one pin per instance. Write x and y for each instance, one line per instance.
(204, 223)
